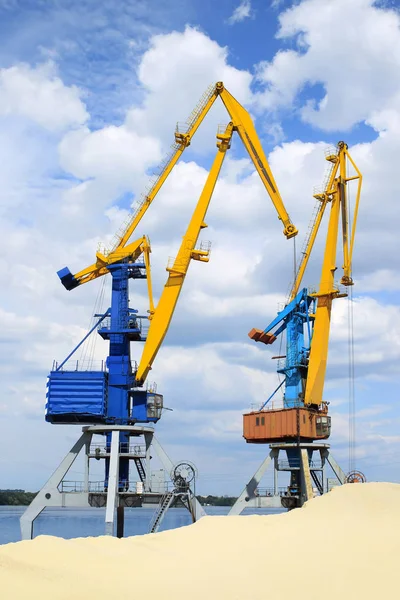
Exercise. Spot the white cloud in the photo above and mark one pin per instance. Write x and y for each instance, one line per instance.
(355, 60)
(382, 279)
(241, 12)
(174, 73)
(116, 158)
(110, 161)
(40, 95)
(112, 153)
(376, 338)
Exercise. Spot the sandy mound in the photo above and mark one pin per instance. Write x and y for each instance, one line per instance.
(345, 544)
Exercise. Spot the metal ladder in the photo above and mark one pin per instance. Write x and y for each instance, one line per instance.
(188, 124)
(161, 168)
(162, 508)
(317, 208)
(317, 482)
(140, 469)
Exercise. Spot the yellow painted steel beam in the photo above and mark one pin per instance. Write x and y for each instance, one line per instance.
(130, 252)
(177, 272)
(182, 142)
(324, 198)
(244, 125)
(320, 339)
(328, 291)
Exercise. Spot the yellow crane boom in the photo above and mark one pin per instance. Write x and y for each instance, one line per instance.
(243, 124)
(165, 308)
(337, 195)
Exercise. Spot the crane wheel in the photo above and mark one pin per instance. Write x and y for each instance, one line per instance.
(355, 477)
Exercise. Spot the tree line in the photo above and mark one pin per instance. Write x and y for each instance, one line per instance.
(16, 497)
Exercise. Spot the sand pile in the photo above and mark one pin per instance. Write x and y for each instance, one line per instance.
(345, 544)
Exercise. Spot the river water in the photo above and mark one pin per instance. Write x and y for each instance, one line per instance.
(71, 522)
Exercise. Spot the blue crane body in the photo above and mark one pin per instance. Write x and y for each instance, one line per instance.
(109, 396)
(294, 318)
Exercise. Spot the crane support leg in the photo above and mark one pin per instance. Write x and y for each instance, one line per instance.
(50, 495)
(248, 494)
(113, 479)
(340, 474)
(114, 493)
(306, 476)
(298, 461)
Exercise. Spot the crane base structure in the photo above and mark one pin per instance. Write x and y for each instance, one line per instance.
(306, 473)
(118, 445)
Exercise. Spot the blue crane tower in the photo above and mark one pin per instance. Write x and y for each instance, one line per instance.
(110, 403)
(108, 396)
(297, 319)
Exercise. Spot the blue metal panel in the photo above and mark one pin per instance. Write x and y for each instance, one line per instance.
(139, 406)
(294, 318)
(67, 279)
(76, 396)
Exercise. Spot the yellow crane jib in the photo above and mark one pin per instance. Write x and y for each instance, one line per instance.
(243, 124)
(336, 194)
(129, 253)
(161, 319)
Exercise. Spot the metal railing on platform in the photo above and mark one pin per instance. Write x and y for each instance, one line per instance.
(270, 491)
(81, 365)
(100, 449)
(295, 464)
(100, 487)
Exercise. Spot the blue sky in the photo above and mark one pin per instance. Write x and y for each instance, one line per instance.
(89, 96)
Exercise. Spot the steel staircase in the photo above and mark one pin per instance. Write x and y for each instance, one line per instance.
(162, 508)
(317, 481)
(140, 469)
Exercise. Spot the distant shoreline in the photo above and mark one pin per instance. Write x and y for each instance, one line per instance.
(22, 498)
(16, 497)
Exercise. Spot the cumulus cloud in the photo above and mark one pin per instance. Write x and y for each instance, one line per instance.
(38, 94)
(355, 62)
(109, 162)
(241, 12)
(114, 160)
(111, 153)
(171, 62)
